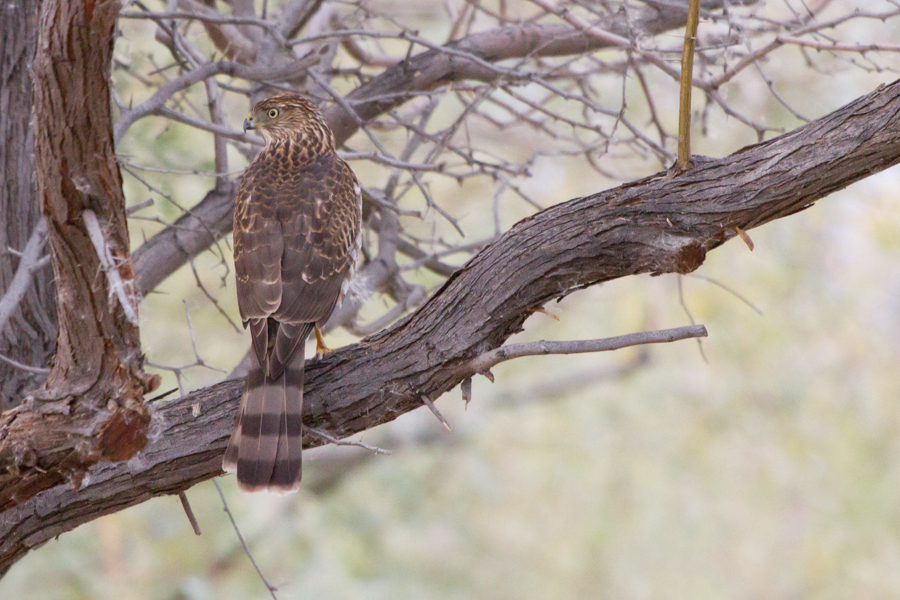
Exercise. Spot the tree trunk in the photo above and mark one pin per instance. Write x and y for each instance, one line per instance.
(91, 407)
(30, 335)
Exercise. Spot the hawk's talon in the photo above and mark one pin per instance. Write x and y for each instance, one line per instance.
(321, 348)
(544, 311)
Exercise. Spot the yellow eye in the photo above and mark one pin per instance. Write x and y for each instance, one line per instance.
(273, 112)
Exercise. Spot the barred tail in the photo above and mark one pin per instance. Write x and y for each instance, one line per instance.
(265, 446)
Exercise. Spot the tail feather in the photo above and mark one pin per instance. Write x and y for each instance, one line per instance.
(288, 466)
(266, 443)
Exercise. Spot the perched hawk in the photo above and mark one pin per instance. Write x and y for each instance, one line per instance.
(296, 239)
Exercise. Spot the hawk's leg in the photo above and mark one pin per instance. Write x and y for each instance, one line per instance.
(321, 348)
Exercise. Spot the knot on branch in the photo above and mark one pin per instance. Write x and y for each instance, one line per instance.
(689, 257)
(680, 255)
(124, 434)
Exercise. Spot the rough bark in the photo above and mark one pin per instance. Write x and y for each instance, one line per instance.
(90, 407)
(661, 224)
(30, 335)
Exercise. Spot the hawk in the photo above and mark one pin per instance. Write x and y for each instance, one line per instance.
(297, 222)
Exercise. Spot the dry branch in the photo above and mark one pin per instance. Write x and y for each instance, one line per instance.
(29, 260)
(542, 348)
(661, 224)
(463, 59)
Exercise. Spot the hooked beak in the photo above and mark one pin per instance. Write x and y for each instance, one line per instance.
(248, 124)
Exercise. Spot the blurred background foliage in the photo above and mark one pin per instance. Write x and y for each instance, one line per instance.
(769, 469)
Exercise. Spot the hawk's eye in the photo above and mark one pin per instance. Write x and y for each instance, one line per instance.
(273, 112)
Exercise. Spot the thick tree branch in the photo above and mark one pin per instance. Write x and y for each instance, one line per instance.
(661, 224)
(295, 15)
(227, 38)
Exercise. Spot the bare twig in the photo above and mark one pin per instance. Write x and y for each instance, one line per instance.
(337, 442)
(122, 288)
(189, 512)
(593, 30)
(434, 410)
(212, 299)
(295, 14)
(504, 353)
(686, 85)
(731, 291)
(690, 316)
(838, 46)
(206, 17)
(237, 43)
(272, 589)
(139, 206)
(28, 262)
(466, 388)
(198, 360)
(23, 366)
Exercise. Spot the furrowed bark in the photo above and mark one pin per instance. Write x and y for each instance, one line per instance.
(30, 335)
(91, 407)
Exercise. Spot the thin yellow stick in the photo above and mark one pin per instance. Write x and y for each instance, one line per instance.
(683, 161)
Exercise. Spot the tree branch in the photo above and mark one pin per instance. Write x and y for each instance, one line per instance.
(227, 38)
(158, 100)
(661, 224)
(487, 360)
(28, 262)
(396, 85)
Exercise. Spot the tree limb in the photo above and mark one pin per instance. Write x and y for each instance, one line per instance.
(482, 363)
(425, 71)
(661, 224)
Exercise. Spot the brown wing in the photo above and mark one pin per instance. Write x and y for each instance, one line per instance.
(320, 237)
(295, 240)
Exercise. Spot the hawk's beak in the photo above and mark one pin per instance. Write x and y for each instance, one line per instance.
(248, 124)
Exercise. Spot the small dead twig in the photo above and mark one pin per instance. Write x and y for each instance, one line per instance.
(466, 389)
(123, 289)
(198, 360)
(139, 206)
(211, 298)
(23, 366)
(746, 238)
(333, 440)
(489, 359)
(721, 285)
(427, 401)
(189, 512)
(272, 589)
(690, 317)
(28, 262)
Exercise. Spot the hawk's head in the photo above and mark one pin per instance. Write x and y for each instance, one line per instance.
(290, 116)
